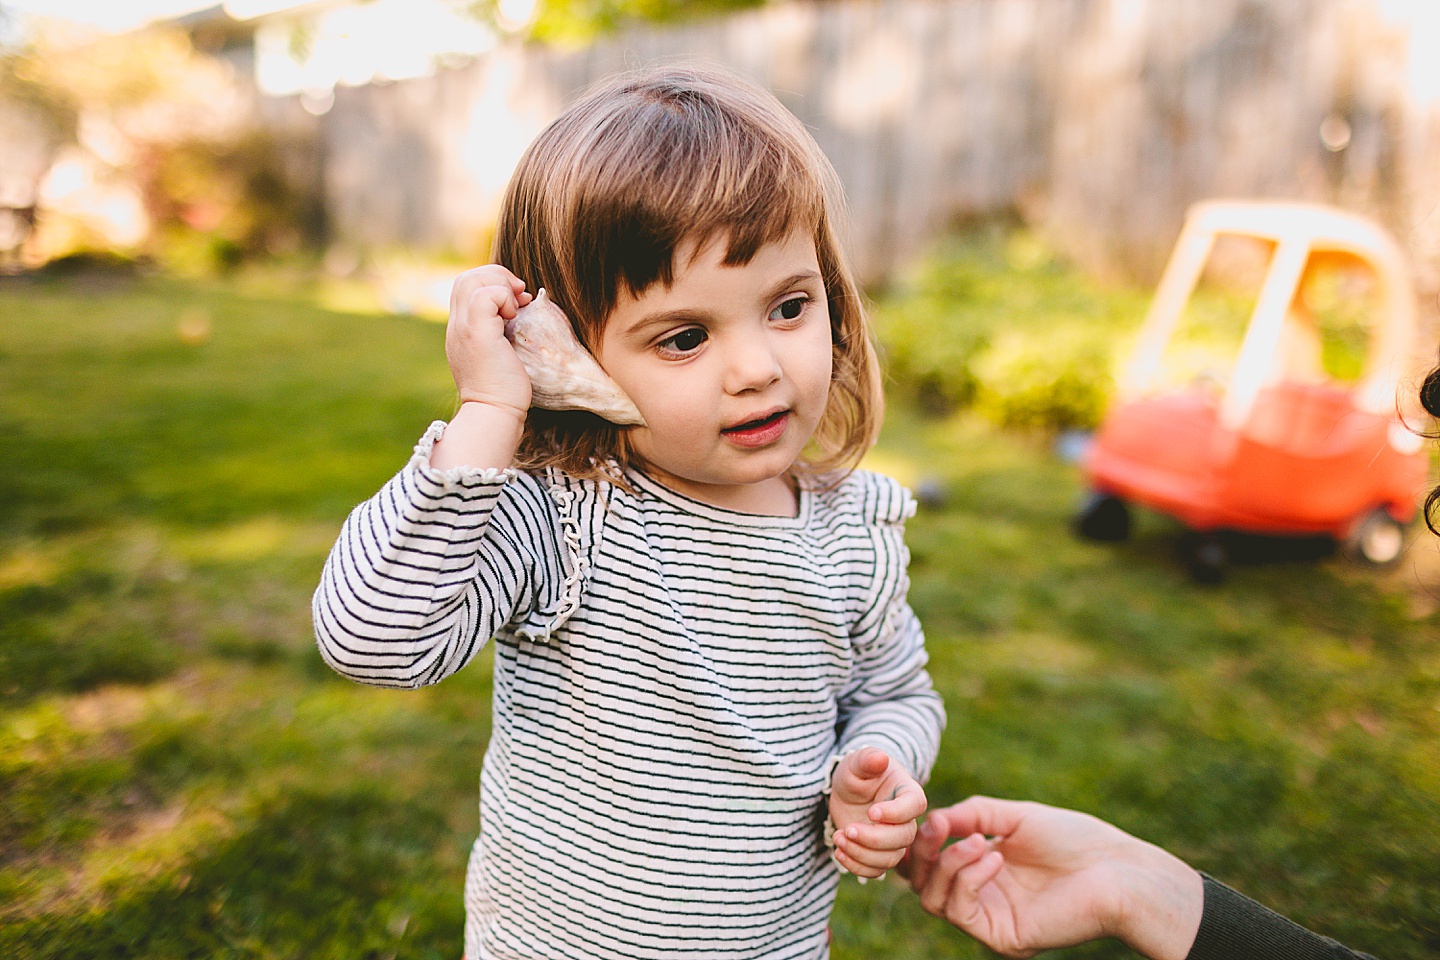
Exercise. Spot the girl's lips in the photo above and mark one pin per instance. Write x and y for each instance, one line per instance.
(759, 433)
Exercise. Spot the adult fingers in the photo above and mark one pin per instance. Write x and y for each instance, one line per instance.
(960, 876)
(929, 838)
(962, 906)
(935, 892)
(987, 815)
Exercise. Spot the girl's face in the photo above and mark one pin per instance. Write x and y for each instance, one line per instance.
(730, 366)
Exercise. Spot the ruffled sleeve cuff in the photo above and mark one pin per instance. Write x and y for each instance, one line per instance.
(453, 478)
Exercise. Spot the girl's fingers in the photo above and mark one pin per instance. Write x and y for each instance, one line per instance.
(907, 804)
(878, 858)
(490, 275)
(857, 862)
(491, 301)
(881, 836)
(856, 773)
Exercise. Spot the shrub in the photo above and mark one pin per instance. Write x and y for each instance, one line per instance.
(215, 202)
(993, 321)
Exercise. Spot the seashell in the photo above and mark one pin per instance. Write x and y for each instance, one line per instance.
(563, 375)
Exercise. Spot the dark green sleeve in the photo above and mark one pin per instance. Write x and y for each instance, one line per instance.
(1234, 927)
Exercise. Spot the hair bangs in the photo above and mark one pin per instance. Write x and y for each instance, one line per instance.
(674, 167)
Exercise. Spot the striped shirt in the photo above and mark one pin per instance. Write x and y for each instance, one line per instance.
(672, 682)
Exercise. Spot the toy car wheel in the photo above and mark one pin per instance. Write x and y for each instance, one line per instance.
(1207, 559)
(1103, 517)
(1378, 540)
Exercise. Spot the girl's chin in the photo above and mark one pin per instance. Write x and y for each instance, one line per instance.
(754, 484)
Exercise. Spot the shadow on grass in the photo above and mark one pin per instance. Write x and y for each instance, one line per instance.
(315, 875)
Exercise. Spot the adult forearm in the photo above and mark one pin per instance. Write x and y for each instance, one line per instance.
(1237, 928)
(1162, 903)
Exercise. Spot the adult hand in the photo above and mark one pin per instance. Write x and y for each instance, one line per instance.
(1027, 877)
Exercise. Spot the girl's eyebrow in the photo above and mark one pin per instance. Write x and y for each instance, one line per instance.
(793, 280)
(690, 314)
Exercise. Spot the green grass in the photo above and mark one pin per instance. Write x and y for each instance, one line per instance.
(180, 776)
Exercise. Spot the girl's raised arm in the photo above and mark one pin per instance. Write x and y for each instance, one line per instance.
(433, 566)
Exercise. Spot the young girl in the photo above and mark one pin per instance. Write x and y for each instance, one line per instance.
(706, 672)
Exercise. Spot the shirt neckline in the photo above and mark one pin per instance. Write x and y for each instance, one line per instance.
(654, 489)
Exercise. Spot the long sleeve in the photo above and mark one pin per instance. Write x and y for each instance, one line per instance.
(1234, 927)
(890, 702)
(430, 568)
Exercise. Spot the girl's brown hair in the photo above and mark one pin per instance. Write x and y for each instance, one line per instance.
(640, 164)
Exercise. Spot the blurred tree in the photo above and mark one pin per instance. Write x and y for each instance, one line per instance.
(578, 21)
(36, 121)
(155, 151)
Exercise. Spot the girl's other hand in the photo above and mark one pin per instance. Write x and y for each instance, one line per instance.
(482, 361)
(874, 803)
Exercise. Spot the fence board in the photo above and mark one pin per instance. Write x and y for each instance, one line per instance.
(1101, 120)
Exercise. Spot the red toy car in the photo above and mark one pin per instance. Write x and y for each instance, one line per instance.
(1279, 447)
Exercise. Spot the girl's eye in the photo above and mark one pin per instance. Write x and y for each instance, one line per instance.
(790, 309)
(685, 341)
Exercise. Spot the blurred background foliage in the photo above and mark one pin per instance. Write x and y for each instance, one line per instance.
(152, 155)
(574, 22)
(994, 320)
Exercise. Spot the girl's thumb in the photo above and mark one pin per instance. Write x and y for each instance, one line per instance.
(868, 763)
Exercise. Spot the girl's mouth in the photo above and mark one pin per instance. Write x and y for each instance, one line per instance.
(760, 432)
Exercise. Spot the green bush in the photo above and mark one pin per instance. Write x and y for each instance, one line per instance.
(995, 322)
(218, 203)
(1057, 384)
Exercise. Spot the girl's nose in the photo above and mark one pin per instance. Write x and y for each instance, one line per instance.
(753, 365)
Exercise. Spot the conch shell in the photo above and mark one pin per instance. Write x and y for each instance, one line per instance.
(563, 376)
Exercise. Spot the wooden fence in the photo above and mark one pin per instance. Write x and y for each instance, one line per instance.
(1098, 120)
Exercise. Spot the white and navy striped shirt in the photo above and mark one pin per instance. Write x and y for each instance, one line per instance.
(671, 682)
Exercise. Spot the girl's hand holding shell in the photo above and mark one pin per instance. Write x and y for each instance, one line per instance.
(484, 365)
(494, 387)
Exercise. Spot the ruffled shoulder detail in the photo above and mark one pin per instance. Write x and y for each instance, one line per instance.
(873, 498)
(579, 509)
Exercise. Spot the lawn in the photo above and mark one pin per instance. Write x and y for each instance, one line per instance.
(180, 775)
